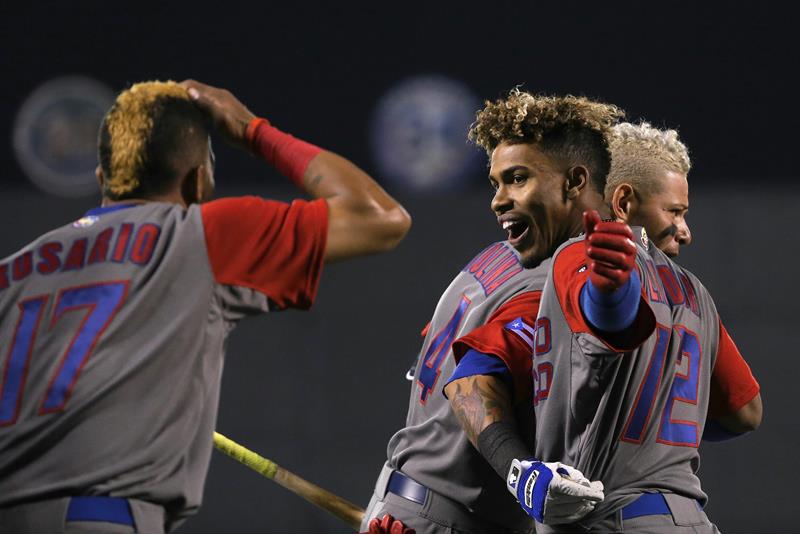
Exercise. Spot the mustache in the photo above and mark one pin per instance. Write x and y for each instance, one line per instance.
(669, 231)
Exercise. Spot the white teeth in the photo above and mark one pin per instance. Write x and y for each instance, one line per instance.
(507, 224)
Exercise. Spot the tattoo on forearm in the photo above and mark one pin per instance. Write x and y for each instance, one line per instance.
(478, 405)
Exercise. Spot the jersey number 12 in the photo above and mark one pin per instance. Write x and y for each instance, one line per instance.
(684, 389)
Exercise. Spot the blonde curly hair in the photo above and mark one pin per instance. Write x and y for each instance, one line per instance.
(575, 129)
(638, 151)
(148, 125)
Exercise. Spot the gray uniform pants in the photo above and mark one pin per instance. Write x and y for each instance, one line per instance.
(49, 517)
(437, 515)
(685, 517)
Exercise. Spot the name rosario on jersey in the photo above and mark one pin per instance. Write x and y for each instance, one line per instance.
(130, 244)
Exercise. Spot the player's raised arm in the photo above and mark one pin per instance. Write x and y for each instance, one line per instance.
(363, 218)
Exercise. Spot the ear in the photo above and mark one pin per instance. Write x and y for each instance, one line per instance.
(577, 178)
(101, 178)
(623, 202)
(192, 185)
(197, 186)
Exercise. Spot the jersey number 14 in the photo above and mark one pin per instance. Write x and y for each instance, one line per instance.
(99, 302)
(438, 349)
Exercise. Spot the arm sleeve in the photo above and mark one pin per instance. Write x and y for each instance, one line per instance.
(615, 311)
(477, 363)
(732, 382)
(271, 247)
(507, 335)
(570, 274)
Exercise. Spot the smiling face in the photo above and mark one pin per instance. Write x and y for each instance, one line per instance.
(534, 200)
(663, 212)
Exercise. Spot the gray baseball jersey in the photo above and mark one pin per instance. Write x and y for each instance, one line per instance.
(490, 307)
(112, 334)
(631, 416)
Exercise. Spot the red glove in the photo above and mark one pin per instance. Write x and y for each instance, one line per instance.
(610, 250)
(388, 525)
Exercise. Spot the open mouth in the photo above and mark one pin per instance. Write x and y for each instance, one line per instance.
(517, 230)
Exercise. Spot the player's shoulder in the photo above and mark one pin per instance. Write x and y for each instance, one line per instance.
(570, 256)
(682, 272)
(230, 206)
(498, 269)
(493, 250)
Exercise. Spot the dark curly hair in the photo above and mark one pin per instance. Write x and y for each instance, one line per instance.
(574, 129)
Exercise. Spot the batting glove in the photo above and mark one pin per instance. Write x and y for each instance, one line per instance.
(610, 250)
(552, 492)
(388, 525)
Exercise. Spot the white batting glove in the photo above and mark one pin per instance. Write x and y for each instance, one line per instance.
(552, 492)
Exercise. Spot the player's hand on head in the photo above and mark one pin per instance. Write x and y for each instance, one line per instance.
(552, 492)
(388, 525)
(610, 251)
(229, 115)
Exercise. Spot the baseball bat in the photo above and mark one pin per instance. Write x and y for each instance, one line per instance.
(332, 503)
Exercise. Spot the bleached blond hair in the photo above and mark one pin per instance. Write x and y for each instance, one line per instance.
(640, 153)
(575, 129)
(147, 127)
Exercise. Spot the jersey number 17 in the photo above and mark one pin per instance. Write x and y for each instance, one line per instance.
(99, 302)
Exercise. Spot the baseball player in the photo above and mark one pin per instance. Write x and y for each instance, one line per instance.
(112, 327)
(551, 166)
(622, 387)
(648, 184)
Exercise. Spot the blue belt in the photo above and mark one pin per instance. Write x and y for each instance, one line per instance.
(646, 504)
(401, 485)
(108, 509)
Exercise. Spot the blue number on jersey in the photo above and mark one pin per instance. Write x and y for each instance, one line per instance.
(101, 302)
(542, 372)
(16, 367)
(684, 389)
(438, 349)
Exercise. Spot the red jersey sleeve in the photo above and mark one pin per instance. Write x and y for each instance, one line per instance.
(512, 345)
(269, 246)
(732, 383)
(570, 273)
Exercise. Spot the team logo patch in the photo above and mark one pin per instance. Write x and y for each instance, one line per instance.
(645, 239)
(513, 477)
(85, 222)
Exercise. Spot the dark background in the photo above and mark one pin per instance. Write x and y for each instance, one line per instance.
(321, 393)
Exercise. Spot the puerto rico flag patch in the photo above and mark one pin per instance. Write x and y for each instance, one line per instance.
(521, 329)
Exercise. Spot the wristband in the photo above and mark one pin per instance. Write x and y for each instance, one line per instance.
(615, 311)
(500, 444)
(289, 155)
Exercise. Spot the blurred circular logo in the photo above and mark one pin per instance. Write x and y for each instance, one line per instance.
(419, 134)
(55, 134)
